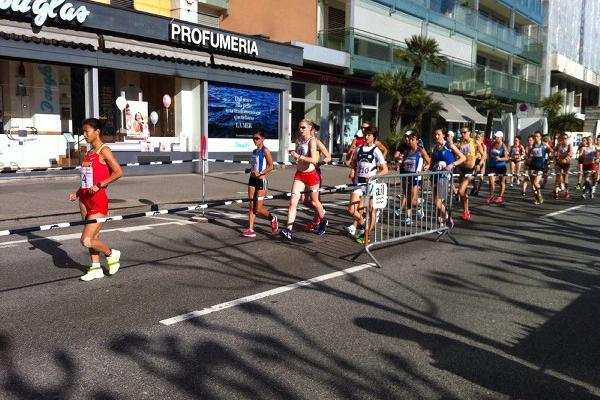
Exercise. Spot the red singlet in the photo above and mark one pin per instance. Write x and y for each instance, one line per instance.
(93, 171)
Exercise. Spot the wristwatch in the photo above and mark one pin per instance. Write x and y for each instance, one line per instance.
(99, 185)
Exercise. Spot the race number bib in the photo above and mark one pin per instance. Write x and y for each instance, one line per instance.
(409, 165)
(364, 170)
(536, 152)
(87, 177)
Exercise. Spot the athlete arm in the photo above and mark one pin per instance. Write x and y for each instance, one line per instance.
(506, 157)
(549, 149)
(323, 150)
(383, 148)
(426, 159)
(115, 169)
(382, 167)
(270, 166)
(460, 157)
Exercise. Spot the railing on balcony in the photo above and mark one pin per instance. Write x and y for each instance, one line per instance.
(472, 24)
(373, 53)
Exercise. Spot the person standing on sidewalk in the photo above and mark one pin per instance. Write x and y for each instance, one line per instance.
(306, 177)
(98, 169)
(261, 164)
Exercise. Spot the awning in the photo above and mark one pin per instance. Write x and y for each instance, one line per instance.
(459, 110)
(48, 35)
(152, 50)
(252, 65)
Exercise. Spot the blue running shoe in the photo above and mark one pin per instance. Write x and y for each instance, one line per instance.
(322, 227)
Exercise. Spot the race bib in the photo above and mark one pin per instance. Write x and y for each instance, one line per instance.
(409, 165)
(364, 170)
(87, 177)
(536, 152)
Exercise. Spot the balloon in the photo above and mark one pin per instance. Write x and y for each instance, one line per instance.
(167, 101)
(121, 103)
(153, 117)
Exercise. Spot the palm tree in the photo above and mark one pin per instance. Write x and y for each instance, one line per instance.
(564, 123)
(419, 50)
(398, 86)
(552, 104)
(493, 107)
(424, 104)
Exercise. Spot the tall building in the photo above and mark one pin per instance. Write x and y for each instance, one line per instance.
(573, 56)
(494, 47)
(161, 74)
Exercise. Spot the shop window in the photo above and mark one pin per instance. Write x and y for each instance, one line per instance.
(301, 110)
(353, 96)
(237, 112)
(335, 94)
(306, 91)
(369, 98)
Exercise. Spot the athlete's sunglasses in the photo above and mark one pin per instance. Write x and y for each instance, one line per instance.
(256, 138)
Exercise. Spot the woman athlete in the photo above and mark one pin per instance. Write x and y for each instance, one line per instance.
(98, 169)
(564, 153)
(261, 164)
(306, 177)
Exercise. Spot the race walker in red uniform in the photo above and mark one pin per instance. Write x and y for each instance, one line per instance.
(98, 169)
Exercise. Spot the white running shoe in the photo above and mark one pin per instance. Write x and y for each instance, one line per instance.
(114, 262)
(92, 273)
(351, 230)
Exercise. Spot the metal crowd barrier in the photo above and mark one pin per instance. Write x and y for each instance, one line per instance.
(402, 212)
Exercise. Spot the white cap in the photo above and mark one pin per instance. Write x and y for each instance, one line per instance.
(499, 134)
(359, 133)
(451, 133)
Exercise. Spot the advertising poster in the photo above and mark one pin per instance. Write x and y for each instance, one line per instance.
(136, 119)
(236, 113)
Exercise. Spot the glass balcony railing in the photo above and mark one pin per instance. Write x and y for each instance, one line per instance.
(373, 54)
(472, 24)
(532, 9)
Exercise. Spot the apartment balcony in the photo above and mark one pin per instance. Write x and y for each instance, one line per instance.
(472, 24)
(532, 9)
(373, 54)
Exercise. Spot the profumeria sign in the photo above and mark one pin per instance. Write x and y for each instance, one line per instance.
(212, 40)
(43, 10)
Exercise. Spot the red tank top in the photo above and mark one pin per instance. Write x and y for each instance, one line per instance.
(92, 169)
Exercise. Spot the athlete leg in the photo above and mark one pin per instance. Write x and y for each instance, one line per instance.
(354, 209)
(90, 239)
(251, 207)
(297, 187)
(316, 203)
(502, 185)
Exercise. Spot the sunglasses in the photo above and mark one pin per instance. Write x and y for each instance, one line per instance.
(463, 132)
(255, 138)
(303, 127)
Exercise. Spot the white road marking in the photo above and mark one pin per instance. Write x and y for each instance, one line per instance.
(566, 210)
(262, 295)
(71, 236)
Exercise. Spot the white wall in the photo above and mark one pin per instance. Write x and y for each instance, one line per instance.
(376, 20)
(33, 153)
(399, 26)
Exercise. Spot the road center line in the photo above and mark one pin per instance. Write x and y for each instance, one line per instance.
(566, 210)
(262, 295)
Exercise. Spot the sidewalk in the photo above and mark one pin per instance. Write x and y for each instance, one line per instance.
(27, 202)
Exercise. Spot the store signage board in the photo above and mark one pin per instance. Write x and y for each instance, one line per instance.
(43, 10)
(208, 39)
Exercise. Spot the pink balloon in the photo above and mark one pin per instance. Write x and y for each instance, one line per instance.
(167, 101)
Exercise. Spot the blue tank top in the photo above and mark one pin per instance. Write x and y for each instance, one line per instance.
(442, 158)
(538, 154)
(412, 162)
(258, 162)
(494, 155)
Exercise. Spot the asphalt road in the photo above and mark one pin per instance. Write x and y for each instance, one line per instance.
(512, 312)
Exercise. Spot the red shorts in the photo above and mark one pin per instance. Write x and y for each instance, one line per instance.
(311, 178)
(94, 203)
(589, 167)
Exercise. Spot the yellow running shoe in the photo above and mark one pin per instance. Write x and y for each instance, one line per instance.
(113, 262)
(92, 273)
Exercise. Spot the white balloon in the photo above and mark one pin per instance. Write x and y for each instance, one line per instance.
(153, 117)
(121, 103)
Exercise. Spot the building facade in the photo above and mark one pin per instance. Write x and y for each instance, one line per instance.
(573, 57)
(160, 74)
(494, 47)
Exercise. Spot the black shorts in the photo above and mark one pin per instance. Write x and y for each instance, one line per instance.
(497, 170)
(257, 183)
(462, 171)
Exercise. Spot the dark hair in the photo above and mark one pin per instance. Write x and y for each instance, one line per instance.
(540, 132)
(370, 130)
(94, 123)
(260, 133)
